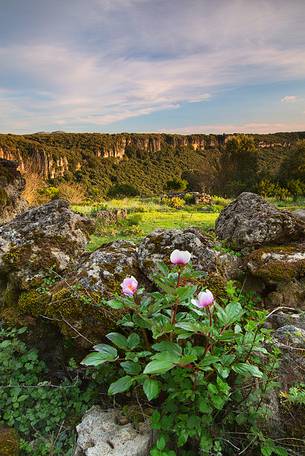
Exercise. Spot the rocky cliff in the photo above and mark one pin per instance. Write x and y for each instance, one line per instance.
(51, 155)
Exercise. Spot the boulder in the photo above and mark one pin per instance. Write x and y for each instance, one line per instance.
(158, 246)
(300, 214)
(11, 185)
(49, 236)
(76, 302)
(250, 222)
(99, 434)
(277, 264)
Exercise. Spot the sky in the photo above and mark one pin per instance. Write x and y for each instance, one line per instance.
(177, 66)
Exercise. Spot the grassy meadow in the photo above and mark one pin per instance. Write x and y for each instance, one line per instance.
(148, 214)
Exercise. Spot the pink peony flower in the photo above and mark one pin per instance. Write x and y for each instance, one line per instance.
(205, 299)
(180, 257)
(129, 286)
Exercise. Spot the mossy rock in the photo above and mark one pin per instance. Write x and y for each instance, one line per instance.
(278, 264)
(76, 312)
(9, 442)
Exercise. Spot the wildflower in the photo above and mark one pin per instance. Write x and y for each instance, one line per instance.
(129, 286)
(180, 257)
(204, 299)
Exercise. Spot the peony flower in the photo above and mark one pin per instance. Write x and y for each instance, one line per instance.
(180, 257)
(129, 286)
(204, 299)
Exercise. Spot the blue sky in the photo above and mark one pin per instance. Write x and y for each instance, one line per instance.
(185, 66)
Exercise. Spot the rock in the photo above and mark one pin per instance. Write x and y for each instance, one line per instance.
(75, 302)
(230, 266)
(49, 236)
(291, 294)
(11, 185)
(105, 269)
(250, 222)
(158, 245)
(100, 435)
(299, 213)
(277, 264)
(9, 442)
(290, 340)
(108, 217)
(279, 319)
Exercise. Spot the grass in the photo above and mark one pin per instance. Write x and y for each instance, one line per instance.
(147, 214)
(144, 216)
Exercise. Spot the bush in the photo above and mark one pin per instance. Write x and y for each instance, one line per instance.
(202, 364)
(189, 198)
(176, 184)
(122, 190)
(74, 193)
(43, 414)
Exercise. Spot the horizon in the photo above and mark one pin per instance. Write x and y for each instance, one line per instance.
(146, 133)
(123, 66)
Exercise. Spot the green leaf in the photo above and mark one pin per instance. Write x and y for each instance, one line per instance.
(160, 444)
(96, 359)
(151, 388)
(185, 293)
(121, 385)
(118, 339)
(131, 368)
(231, 313)
(189, 326)
(158, 367)
(247, 369)
(133, 341)
(166, 345)
(204, 406)
(115, 304)
(106, 349)
(170, 356)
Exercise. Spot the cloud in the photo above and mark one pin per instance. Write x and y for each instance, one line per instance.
(252, 127)
(289, 99)
(130, 58)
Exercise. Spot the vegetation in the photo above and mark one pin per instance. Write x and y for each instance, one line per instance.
(272, 164)
(202, 365)
(44, 413)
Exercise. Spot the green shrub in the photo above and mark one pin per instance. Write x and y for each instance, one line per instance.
(205, 371)
(122, 190)
(43, 414)
(176, 184)
(189, 198)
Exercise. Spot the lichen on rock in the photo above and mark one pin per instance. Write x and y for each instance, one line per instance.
(250, 222)
(158, 246)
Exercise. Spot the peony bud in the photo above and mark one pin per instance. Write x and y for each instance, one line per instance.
(180, 257)
(204, 299)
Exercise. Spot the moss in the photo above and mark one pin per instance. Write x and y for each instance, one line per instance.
(278, 270)
(9, 442)
(32, 302)
(216, 283)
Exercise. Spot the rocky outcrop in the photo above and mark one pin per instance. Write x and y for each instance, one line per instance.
(11, 186)
(250, 222)
(158, 245)
(299, 213)
(49, 236)
(100, 434)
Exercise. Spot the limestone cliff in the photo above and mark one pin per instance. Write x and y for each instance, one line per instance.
(52, 155)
